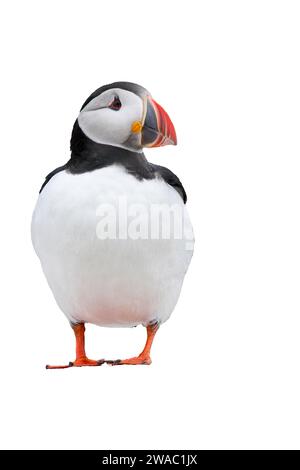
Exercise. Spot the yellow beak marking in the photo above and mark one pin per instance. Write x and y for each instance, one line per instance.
(136, 127)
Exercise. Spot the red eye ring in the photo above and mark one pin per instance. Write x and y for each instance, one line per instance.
(115, 104)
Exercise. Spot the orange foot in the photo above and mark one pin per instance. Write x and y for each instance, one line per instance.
(82, 362)
(133, 361)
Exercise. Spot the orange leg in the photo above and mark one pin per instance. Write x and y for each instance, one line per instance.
(144, 358)
(81, 359)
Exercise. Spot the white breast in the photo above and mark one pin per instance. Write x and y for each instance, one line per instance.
(109, 282)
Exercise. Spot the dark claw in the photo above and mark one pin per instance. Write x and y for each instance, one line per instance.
(71, 364)
(114, 363)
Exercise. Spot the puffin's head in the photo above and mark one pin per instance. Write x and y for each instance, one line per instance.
(125, 115)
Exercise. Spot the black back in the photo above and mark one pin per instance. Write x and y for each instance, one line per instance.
(88, 156)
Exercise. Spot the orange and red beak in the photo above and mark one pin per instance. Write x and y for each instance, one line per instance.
(158, 129)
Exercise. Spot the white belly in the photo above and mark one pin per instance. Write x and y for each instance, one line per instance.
(109, 282)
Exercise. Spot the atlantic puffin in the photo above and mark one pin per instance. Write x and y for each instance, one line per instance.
(98, 272)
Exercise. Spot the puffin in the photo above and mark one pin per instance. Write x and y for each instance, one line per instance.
(111, 229)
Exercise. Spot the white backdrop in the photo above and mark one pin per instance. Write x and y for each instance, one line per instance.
(225, 370)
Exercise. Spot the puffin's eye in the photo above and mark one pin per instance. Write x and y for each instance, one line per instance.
(115, 104)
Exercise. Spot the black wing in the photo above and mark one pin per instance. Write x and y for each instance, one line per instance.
(171, 179)
(48, 177)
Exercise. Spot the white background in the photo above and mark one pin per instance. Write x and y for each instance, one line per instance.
(225, 370)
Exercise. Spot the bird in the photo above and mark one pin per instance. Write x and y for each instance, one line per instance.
(111, 229)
